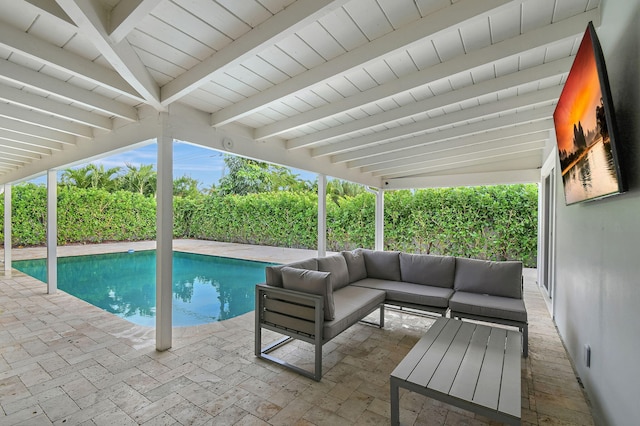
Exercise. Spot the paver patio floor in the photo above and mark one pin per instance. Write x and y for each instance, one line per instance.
(63, 361)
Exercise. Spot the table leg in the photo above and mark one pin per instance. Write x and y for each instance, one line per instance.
(395, 403)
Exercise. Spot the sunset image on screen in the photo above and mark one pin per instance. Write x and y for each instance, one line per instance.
(582, 132)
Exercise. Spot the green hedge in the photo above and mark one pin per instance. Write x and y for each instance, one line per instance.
(498, 222)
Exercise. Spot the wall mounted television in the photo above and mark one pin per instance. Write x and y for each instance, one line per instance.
(586, 130)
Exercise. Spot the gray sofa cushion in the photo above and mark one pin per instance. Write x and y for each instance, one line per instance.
(274, 273)
(314, 282)
(355, 265)
(337, 265)
(383, 265)
(402, 292)
(487, 277)
(484, 305)
(427, 269)
(352, 304)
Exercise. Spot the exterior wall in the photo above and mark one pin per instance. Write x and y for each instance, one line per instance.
(597, 295)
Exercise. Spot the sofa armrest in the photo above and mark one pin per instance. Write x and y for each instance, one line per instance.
(295, 312)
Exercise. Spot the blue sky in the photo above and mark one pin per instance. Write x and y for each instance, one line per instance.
(202, 164)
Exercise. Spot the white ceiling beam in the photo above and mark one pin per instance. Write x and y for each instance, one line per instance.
(382, 166)
(37, 131)
(402, 38)
(51, 8)
(126, 15)
(8, 151)
(91, 20)
(64, 60)
(37, 80)
(451, 119)
(507, 134)
(507, 177)
(530, 160)
(294, 17)
(44, 120)
(481, 126)
(571, 27)
(464, 160)
(10, 162)
(28, 143)
(509, 81)
(47, 106)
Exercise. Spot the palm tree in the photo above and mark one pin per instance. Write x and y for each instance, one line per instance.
(141, 180)
(90, 176)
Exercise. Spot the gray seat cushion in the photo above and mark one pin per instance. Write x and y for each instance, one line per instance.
(274, 273)
(483, 305)
(352, 304)
(313, 282)
(337, 265)
(355, 265)
(488, 277)
(417, 294)
(383, 265)
(428, 269)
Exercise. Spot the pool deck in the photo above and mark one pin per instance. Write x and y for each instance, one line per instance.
(64, 361)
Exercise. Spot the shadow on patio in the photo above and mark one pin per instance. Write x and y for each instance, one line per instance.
(64, 361)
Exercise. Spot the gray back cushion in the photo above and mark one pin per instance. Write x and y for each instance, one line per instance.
(437, 271)
(337, 265)
(355, 265)
(488, 277)
(383, 265)
(314, 282)
(274, 273)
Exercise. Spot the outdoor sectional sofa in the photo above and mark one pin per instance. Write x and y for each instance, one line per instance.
(316, 299)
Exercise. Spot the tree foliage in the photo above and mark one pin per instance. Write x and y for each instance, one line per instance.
(245, 176)
(498, 222)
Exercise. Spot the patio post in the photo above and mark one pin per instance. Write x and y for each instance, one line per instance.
(164, 237)
(379, 219)
(7, 229)
(52, 231)
(322, 215)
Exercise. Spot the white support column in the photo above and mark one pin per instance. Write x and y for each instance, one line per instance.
(7, 229)
(164, 237)
(322, 215)
(52, 231)
(379, 235)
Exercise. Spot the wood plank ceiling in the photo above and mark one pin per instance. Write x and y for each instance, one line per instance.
(389, 93)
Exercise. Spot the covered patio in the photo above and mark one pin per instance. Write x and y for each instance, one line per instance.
(391, 94)
(68, 362)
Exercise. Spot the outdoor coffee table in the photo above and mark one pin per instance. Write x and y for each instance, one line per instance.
(472, 366)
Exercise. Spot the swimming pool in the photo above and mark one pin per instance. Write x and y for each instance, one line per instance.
(205, 288)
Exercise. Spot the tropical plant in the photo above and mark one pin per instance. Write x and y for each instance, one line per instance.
(141, 180)
(91, 176)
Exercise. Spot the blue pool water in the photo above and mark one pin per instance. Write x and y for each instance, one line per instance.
(205, 288)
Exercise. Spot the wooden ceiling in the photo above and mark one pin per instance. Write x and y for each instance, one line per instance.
(388, 93)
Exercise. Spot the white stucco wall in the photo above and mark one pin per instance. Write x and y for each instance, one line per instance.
(597, 296)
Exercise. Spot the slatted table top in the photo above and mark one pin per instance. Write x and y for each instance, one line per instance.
(472, 366)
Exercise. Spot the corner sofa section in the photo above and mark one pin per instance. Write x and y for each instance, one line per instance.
(317, 299)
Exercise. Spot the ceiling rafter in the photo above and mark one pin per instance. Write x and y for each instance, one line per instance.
(424, 145)
(48, 106)
(458, 117)
(28, 143)
(505, 157)
(64, 60)
(469, 129)
(517, 141)
(37, 80)
(509, 81)
(37, 131)
(281, 25)
(91, 20)
(429, 26)
(44, 121)
(51, 8)
(571, 27)
(524, 175)
(126, 15)
(8, 151)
